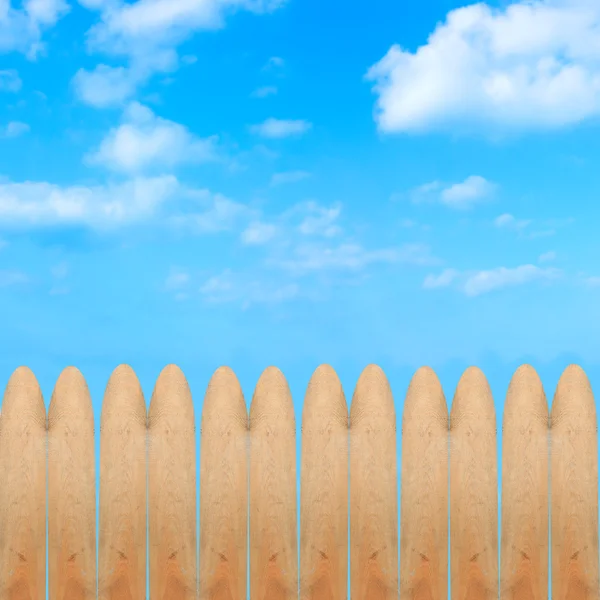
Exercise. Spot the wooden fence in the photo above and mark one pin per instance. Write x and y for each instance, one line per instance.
(348, 472)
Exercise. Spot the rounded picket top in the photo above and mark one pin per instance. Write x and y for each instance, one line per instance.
(372, 393)
(271, 396)
(473, 395)
(22, 380)
(123, 394)
(70, 395)
(172, 394)
(324, 394)
(223, 392)
(525, 394)
(425, 392)
(573, 392)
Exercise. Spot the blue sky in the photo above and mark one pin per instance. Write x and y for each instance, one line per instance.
(256, 182)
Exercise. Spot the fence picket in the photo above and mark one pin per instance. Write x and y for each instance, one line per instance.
(524, 539)
(122, 525)
(223, 489)
(424, 490)
(23, 489)
(473, 490)
(172, 489)
(324, 490)
(71, 490)
(273, 512)
(373, 489)
(574, 485)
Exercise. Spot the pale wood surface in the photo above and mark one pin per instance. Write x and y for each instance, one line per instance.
(223, 489)
(424, 490)
(525, 457)
(172, 489)
(373, 489)
(574, 485)
(324, 489)
(473, 490)
(23, 489)
(71, 490)
(122, 527)
(273, 512)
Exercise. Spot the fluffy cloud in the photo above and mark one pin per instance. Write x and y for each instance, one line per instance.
(145, 141)
(482, 282)
(147, 33)
(533, 64)
(288, 177)
(40, 204)
(263, 92)
(258, 233)
(10, 81)
(460, 196)
(21, 29)
(280, 128)
(14, 129)
(351, 256)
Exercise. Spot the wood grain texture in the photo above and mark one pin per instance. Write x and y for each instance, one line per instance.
(473, 490)
(373, 489)
(525, 458)
(223, 489)
(71, 490)
(574, 488)
(172, 489)
(424, 491)
(324, 489)
(122, 530)
(273, 512)
(23, 489)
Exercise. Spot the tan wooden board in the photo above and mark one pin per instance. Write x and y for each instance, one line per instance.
(574, 488)
(122, 526)
(424, 490)
(473, 490)
(172, 489)
(273, 511)
(23, 489)
(223, 489)
(373, 489)
(525, 473)
(324, 489)
(71, 490)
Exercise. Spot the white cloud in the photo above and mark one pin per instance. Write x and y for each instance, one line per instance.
(10, 81)
(547, 257)
(465, 194)
(501, 277)
(275, 62)
(106, 86)
(263, 92)
(320, 221)
(508, 221)
(218, 214)
(460, 196)
(147, 33)
(280, 128)
(288, 177)
(444, 279)
(60, 270)
(43, 204)
(14, 129)
(177, 279)
(12, 277)
(351, 256)
(21, 29)
(145, 141)
(258, 233)
(530, 65)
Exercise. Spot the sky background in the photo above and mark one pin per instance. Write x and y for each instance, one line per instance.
(293, 182)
